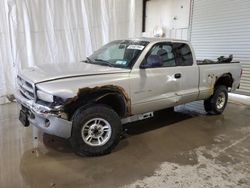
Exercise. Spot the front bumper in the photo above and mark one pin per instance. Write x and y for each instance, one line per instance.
(45, 118)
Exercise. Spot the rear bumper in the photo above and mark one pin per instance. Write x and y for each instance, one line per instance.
(47, 119)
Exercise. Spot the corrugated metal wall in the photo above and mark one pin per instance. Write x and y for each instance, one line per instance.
(222, 27)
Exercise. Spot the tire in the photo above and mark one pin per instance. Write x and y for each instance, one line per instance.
(96, 130)
(207, 105)
(216, 104)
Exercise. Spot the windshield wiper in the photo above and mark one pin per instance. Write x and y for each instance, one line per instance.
(88, 60)
(103, 62)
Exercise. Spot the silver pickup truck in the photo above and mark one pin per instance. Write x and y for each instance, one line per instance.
(124, 81)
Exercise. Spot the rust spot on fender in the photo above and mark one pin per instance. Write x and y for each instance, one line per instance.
(99, 92)
(211, 81)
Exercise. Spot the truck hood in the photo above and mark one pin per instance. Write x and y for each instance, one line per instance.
(50, 72)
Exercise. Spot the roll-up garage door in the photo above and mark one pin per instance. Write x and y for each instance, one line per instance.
(222, 27)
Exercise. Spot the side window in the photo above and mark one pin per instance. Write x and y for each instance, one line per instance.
(161, 55)
(183, 54)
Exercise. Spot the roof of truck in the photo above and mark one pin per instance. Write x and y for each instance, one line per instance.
(158, 39)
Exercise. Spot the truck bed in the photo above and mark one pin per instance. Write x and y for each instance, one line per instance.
(212, 71)
(205, 62)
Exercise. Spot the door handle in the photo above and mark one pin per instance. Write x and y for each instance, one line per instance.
(177, 75)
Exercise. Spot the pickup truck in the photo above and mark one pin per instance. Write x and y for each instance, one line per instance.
(124, 81)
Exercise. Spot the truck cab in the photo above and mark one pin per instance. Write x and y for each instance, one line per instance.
(165, 76)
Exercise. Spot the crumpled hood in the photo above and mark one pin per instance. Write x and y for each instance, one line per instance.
(50, 72)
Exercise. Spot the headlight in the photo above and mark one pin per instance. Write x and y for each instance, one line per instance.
(45, 96)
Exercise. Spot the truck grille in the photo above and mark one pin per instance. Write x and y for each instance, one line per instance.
(26, 88)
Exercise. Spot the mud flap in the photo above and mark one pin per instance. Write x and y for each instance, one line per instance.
(23, 118)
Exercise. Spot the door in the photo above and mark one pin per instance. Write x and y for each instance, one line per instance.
(189, 82)
(155, 84)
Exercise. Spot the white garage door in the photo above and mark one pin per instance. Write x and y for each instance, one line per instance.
(222, 27)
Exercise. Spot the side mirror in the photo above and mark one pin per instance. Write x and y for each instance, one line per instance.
(144, 65)
(151, 61)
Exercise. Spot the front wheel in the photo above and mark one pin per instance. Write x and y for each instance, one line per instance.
(216, 104)
(96, 130)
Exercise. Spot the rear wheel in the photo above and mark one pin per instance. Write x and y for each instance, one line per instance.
(96, 130)
(218, 101)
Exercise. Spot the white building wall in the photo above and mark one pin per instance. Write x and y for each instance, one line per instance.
(171, 15)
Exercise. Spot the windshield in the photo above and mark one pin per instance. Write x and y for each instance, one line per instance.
(120, 53)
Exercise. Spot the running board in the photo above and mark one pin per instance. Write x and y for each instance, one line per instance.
(137, 117)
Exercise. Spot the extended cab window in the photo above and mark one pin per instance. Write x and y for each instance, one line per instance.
(161, 55)
(183, 54)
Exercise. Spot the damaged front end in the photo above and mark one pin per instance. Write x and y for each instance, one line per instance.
(50, 120)
(53, 114)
